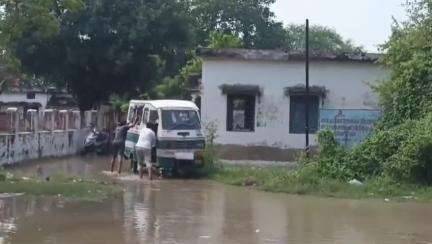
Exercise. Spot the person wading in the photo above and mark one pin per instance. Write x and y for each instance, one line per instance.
(118, 143)
(143, 149)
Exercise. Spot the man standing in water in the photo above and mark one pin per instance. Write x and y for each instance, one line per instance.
(118, 143)
(143, 149)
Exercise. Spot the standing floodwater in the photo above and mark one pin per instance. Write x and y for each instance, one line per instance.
(187, 211)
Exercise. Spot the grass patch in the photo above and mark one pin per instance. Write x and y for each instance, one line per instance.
(306, 182)
(60, 185)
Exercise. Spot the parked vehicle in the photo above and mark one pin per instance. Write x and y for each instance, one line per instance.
(177, 125)
(96, 141)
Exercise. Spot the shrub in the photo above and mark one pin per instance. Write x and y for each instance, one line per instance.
(402, 153)
(367, 159)
(412, 162)
(330, 161)
(209, 151)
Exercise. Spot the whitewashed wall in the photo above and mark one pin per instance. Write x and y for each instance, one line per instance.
(41, 98)
(346, 83)
(23, 146)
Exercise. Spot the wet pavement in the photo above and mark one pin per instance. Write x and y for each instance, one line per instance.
(188, 211)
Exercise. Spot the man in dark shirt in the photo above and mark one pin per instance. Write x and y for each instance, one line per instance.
(118, 143)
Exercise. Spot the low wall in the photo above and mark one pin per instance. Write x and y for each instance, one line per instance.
(257, 153)
(23, 146)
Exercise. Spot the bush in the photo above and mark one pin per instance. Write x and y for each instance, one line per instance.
(412, 162)
(330, 161)
(210, 130)
(367, 159)
(402, 154)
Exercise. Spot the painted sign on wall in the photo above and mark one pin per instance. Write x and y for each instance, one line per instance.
(350, 126)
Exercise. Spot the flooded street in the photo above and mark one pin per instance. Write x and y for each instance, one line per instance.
(188, 211)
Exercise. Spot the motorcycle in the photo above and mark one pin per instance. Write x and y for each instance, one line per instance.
(96, 141)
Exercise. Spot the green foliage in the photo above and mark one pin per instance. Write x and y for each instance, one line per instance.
(174, 87)
(2, 176)
(330, 160)
(401, 154)
(408, 55)
(210, 131)
(400, 148)
(61, 185)
(412, 161)
(308, 180)
(98, 49)
(219, 40)
(251, 20)
(119, 103)
(322, 40)
(171, 88)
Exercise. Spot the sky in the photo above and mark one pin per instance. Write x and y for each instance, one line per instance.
(366, 22)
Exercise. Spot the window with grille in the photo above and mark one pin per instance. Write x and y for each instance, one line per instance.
(298, 114)
(31, 95)
(241, 113)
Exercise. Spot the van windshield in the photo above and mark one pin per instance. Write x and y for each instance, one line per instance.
(180, 120)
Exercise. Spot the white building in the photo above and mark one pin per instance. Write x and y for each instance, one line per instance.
(256, 98)
(35, 100)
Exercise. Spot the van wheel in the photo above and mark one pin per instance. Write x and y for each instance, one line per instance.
(150, 173)
(135, 167)
(141, 172)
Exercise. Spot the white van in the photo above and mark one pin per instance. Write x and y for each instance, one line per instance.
(177, 124)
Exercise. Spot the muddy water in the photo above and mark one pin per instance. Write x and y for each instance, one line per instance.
(177, 211)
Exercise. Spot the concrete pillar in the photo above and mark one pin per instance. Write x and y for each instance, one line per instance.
(64, 118)
(14, 119)
(34, 119)
(49, 114)
(76, 115)
(90, 117)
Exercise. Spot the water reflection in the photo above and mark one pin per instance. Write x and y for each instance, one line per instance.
(177, 211)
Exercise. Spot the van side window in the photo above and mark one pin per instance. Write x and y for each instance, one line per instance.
(153, 117)
(145, 119)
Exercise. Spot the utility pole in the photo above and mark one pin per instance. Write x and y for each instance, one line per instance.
(307, 88)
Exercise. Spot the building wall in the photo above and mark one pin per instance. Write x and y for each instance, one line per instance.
(23, 146)
(346, 83)
(41, 98)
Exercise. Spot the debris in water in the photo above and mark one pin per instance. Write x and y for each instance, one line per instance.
(109, 173)
(9, 175)
(257, 231)
(249, 182)
(205, 237)
(25, 178)
(8, 195)
(355, 182)
(386, 199)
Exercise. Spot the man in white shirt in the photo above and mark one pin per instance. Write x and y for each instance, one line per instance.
(143, 149)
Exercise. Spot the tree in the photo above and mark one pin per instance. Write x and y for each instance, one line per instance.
(250, 20)
(174, 87)
(38, 20)
(322, 40)
(100, 47)
(219, 40)
(109, 46)
(408, 56)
